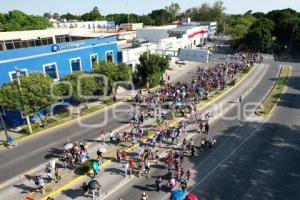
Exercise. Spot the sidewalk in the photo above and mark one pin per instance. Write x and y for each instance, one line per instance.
(175, 72)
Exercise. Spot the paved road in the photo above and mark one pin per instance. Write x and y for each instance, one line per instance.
(111, 176)
(132, 189)
(252, 160)
(41, 148)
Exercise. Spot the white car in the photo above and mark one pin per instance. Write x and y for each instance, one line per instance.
(180, 62)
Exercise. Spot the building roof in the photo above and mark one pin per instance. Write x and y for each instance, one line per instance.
(34, 34)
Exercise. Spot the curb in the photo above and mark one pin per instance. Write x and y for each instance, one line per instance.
(277, 101)
(25, 138)
(104, 164)
(283, 91)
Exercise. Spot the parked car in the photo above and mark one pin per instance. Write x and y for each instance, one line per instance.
(180, 62)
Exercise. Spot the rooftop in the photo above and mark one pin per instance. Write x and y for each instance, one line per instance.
(34, 34)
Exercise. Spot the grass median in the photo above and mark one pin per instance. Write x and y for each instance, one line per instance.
(272, 99)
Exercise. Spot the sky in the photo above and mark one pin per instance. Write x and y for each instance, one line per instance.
(138, 6)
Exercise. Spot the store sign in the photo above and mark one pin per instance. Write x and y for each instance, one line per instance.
(69, 45)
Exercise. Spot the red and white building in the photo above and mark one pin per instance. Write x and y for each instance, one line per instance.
(174, 37)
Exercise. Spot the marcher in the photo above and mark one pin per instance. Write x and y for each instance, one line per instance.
(99, 154)
(158, 183)
(57, 176)
(41, 184)
(10, 141)
(96, 168)
(48, 171)
(131, 165)
(144, 196)
(85, 189)
(126, 166)
(188, 174)
(206, 128)
(102, 137)
(111, 137)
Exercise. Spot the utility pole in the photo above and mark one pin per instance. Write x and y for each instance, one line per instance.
(2, 122)
(19, 84)
(127, 13)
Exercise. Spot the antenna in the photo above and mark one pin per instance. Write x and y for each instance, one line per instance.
(128, 12)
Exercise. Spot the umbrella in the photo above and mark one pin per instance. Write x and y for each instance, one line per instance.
(96, 166)
(93, 185)
(68, 146)
(177, 195)
(191, 197)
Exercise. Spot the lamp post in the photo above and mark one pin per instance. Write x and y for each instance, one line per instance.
(2, 123)
(19, 84)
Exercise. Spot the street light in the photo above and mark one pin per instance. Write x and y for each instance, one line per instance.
(2, 123)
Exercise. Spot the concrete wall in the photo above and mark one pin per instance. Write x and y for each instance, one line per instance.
(196, 55)
(152, 35)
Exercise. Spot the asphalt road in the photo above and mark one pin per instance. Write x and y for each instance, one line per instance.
(41, 148)
(113, 176)
(253, 159)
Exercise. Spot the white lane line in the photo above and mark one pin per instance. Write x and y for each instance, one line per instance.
(222, 161)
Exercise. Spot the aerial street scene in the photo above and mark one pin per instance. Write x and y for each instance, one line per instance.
(150, 100)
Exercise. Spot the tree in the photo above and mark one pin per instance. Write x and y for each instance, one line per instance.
(82, 86)
(32, 95)
(16, 20)
(239, 25)
(47, 15)
(93, 15)
(56, 16)
(258, 15)
(206, 12)
(160, 17)
(259, 37)
(113, 72)
(173, 9)
(152, 67)
(217, 11)
(69, 17)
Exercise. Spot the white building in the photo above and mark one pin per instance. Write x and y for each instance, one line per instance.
(173, 37)
(131, 55)
(91, 25)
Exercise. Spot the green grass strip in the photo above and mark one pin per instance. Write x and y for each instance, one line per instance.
(272, 99)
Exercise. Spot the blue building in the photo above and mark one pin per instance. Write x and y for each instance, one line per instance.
(55, 53)
(57, 60)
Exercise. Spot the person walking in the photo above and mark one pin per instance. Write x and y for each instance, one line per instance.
(48, 171)
(41, 184)
(96, 167)
(102, 137)
(206, 128)
(85, 189)
(111, 137)
(131, 165)
(144, 196)
(158, 183)
(56, 174)
(126, 166)
(118, 155)
(240, 99)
